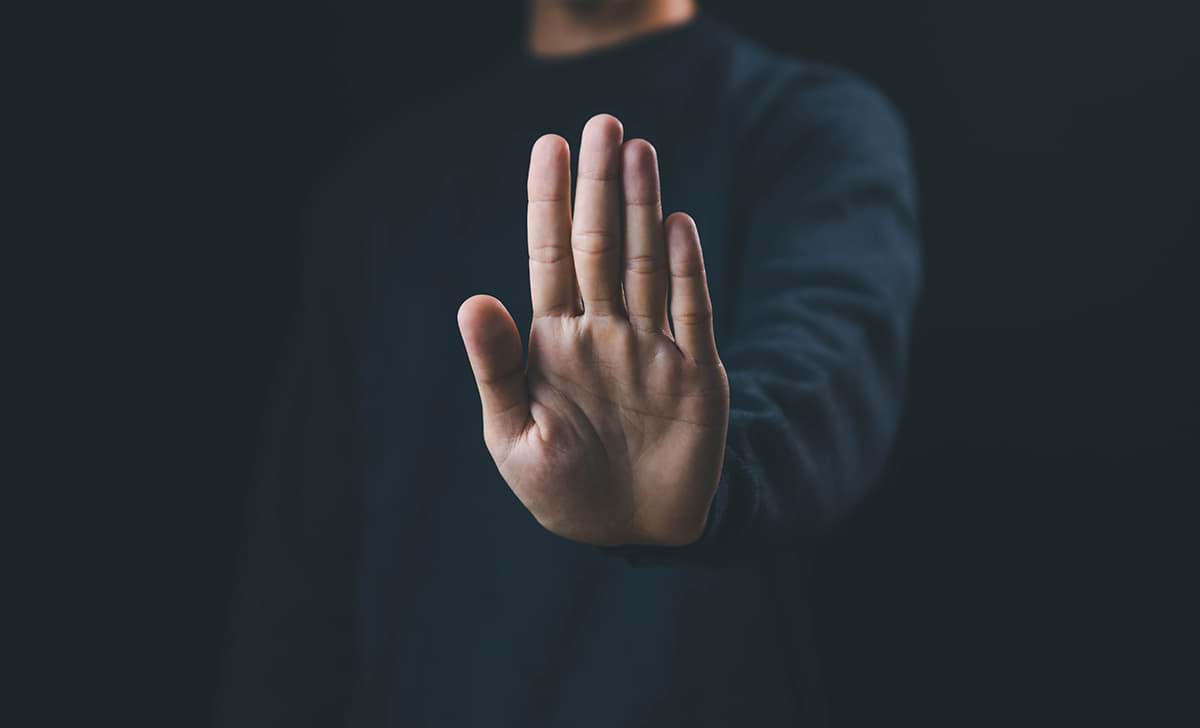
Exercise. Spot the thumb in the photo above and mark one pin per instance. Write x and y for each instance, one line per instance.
(494, 349)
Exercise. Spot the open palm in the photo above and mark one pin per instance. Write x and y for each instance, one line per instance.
(614, 430)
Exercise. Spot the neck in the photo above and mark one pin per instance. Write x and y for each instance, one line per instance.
(563, 28)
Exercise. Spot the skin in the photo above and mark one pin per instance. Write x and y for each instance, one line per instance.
(614, 430)
(568, 27)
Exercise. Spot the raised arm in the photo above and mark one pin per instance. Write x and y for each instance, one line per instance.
(818, 341)
(618, 431)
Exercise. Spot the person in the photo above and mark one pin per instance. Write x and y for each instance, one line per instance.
(628, 543)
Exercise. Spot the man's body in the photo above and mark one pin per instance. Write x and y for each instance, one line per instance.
(682, 468)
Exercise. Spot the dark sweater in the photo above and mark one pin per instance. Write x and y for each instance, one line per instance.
(390, 575)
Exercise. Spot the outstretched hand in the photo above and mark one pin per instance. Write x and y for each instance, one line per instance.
(614, 431)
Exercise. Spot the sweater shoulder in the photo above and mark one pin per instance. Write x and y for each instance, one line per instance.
(778, 95)
(796, 117)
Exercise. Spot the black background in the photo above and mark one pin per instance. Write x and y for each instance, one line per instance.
(1024, 561)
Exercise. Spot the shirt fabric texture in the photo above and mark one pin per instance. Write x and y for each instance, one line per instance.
(389, 575)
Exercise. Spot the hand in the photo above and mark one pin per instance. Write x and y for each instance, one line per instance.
(614, 432)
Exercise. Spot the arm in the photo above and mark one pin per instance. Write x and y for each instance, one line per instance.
(820, 322)
(817, 330)
(628, 434)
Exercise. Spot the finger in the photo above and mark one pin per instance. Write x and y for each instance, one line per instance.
(494, 349)
(551, 270)
(595, 235)
(691, 309)
(644, 249)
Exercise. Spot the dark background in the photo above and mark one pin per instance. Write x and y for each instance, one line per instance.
(1024, 561)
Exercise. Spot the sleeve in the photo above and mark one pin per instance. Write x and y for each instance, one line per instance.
(816, 333)
(287, 654)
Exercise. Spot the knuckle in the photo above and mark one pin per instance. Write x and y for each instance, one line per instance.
(644, 322)
(693, 316)
(548, 253)
(642, 264)
(593, 241)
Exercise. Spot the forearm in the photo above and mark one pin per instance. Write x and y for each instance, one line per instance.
(814, 410)
(817, 332)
